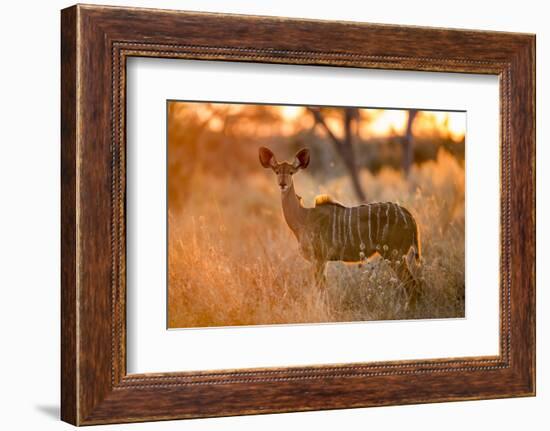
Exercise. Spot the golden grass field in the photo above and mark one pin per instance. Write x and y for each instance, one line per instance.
(234, 261)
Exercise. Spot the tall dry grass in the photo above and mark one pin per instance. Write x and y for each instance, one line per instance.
(234, 261)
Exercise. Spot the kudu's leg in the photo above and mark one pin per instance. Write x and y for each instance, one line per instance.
(320, 277)
(406, 270)
(412, 288)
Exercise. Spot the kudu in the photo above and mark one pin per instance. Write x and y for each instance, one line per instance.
(332, 232)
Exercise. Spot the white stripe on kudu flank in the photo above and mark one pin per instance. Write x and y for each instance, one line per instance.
(344, 218)
(349, 226)
(337, 218)
(339, 227)
(343, 226)
(402, 214)
(359, 226)
(370, 240)
(385, 230)
(378, 223)
(333, 224)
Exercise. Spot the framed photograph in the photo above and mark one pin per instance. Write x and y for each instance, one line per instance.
(260, 217)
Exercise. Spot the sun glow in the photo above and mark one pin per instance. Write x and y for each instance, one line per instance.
(291, 113)
(387, 122)
(452, 122)
(426, 123)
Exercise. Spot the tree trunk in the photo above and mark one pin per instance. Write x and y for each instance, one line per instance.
(407, 143)
(344, 147)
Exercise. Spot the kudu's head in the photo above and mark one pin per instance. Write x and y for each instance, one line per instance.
(284, 170)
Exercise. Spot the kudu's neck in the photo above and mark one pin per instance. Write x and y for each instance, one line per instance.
(293, 210)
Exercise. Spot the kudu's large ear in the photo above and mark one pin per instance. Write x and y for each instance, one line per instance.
(302, 159)
(267, 158)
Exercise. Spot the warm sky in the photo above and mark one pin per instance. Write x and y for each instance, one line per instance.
(393, 121)
(375, 122)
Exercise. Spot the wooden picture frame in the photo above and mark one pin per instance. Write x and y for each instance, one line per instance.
(95, 43)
